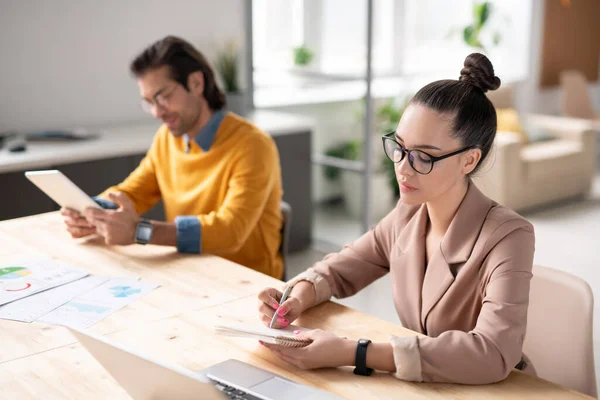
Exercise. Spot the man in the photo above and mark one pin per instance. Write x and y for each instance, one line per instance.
(217, 174)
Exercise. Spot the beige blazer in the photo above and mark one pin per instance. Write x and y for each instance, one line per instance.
(470, 300)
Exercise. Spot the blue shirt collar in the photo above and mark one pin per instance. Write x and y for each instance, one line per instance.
(206, 136)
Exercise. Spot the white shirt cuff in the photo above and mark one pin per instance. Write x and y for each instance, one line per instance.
(322, 289)
(407, 358)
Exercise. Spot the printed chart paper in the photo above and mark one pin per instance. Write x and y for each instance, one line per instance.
(89, 308)
(22, 279)
(35, 306)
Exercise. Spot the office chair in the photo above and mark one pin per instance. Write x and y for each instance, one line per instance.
(559, 339)
(286, 228)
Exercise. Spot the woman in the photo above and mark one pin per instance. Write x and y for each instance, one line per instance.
(460, 264)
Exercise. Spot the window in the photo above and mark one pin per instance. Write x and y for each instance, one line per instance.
(343, 35)
(411, 43)
(427, 47)
(333, 30)
(278, 27)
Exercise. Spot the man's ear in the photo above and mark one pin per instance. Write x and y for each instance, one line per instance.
(196, 83)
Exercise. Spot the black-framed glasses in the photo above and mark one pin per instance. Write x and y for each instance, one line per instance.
(420, 161)
(160, 100)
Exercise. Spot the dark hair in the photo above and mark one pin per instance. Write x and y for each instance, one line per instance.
(474, 115)
(182, 59)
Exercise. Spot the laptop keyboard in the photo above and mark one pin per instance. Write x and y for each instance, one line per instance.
(231, 392)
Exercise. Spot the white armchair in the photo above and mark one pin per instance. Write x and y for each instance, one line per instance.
(522, 176)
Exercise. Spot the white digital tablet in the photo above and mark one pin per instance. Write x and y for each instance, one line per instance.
(61, 189)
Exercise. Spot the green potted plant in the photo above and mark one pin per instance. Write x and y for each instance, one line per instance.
(478, 34)
(383, 180)
(302, 56)
(227, 66)
(350, 150)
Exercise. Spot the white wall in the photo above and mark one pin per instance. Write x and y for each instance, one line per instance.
(64, 63)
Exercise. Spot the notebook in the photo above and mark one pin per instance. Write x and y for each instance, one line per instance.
(282, 337)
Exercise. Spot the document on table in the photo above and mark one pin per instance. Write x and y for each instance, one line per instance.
(91, 307)
(24, 278)
(37, 305)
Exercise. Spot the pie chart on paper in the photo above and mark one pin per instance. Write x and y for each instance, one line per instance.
(13, 273)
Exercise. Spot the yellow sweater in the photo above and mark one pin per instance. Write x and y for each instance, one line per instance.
(234, 189)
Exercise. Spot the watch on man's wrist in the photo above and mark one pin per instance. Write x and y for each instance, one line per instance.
(143, 232)
(361, 358)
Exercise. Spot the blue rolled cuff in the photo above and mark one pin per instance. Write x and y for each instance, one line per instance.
(106, 204)
(189, 234)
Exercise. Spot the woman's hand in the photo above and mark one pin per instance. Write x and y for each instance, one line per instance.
(326, 350)
(268, 304)
(301, 298)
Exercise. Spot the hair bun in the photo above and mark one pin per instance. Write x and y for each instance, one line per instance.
(479, 72)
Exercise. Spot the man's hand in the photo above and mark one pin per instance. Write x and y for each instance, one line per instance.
(116, 226)
(77, 225)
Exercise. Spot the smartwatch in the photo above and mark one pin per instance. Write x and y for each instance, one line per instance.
(361, 358)
(143, 232)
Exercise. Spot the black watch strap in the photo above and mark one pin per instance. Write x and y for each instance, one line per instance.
(361, 358)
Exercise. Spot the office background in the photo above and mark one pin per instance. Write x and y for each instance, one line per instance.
(64, 65)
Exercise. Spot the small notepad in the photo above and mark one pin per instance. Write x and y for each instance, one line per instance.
(282, 337)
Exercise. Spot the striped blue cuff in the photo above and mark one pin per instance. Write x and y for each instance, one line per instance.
(106, 204)
(189, 234)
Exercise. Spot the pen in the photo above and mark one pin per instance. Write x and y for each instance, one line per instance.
(286, 292)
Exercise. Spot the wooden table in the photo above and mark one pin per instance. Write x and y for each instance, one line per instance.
(175, 323)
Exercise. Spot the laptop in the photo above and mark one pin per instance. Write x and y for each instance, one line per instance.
(144, 378)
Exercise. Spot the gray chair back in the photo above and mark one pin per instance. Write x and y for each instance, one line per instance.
(286, 228)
